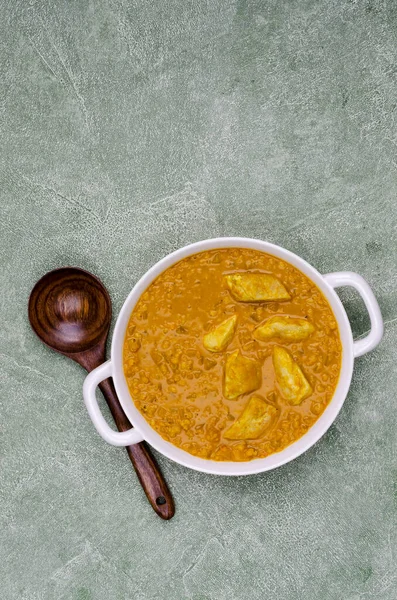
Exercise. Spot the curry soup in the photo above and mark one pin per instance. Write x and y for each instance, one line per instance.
(232, 354)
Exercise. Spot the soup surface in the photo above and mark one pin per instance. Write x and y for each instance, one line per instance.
(232, 354)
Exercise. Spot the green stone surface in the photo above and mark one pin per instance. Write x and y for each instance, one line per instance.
(128, 129)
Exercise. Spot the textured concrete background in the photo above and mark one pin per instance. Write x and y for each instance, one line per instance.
(127, 130)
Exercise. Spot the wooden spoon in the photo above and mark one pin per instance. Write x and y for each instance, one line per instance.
(70, 310)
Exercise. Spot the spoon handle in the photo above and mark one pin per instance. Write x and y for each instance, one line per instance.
(146, 468)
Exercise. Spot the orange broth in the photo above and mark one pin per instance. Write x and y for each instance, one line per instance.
(178, 385)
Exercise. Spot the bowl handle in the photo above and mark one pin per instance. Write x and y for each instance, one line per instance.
(347, 278)
(116, 438)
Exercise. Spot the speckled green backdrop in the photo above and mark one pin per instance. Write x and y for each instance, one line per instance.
(127, 130)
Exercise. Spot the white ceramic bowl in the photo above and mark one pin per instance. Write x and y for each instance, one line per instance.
(143, 431)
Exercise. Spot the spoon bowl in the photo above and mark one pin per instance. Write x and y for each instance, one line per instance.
(70, 310)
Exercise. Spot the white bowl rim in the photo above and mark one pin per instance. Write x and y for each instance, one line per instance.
(258, 465)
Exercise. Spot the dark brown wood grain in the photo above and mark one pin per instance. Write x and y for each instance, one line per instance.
(70, 311)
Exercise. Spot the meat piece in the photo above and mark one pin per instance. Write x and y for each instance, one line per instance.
(256, 287)
(293, 385)
(256, 417)
(220, 336)
(291, 329)
(242, 375)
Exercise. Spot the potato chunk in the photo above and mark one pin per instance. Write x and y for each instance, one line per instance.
(256, 287)
(290, 329)
(220, 336)
(242, 375)
(293, 385)
(256, 417)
